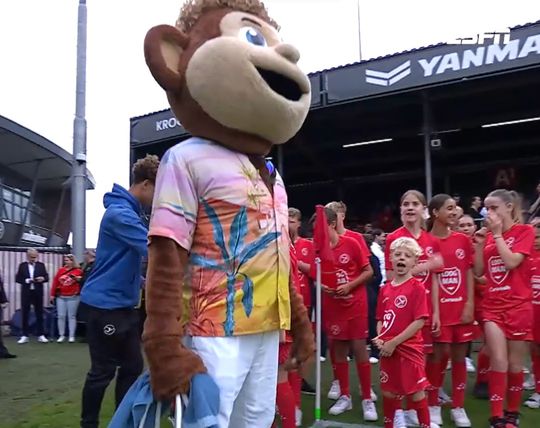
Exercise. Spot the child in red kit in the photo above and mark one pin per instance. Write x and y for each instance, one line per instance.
(345, 317)
(534, 400)
(402, 311)
(456, 303)
(503, 255)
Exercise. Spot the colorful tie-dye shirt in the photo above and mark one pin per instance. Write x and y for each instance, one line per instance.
(213, 202)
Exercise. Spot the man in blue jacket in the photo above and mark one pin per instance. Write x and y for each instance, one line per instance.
(112, 291)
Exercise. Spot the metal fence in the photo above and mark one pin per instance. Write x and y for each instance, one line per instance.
(9, 263)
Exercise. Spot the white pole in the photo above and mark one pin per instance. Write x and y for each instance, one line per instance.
(318, 301)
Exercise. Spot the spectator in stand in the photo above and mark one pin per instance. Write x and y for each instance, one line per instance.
(4, 353)
(65, 290)
(534, 209)
(31, 276)
(474, 211)
(368, 228)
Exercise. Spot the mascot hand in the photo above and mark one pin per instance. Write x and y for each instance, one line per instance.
(171, 366)
(303, 347)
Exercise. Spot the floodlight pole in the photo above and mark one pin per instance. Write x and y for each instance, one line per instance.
(78, 177)
(427, 129)
(359, 32)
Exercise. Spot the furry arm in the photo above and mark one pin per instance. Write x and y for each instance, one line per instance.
(171, 365)
(303, 347)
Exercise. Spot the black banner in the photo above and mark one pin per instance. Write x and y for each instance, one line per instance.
(437, 64)
(154, 127)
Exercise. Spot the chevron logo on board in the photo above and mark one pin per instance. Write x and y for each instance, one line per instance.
(381, 78)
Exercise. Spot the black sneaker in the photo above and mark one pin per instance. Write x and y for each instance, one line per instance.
(497, 422)
(7, 355)
(307, 388)
(481, 391)
(512, 418)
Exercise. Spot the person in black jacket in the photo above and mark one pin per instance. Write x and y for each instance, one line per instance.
(373, 287)
(4, 353)
(31, 276)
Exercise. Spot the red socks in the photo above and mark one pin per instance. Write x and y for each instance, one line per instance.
(333, 360)
(364, 376)
(390, 405)
(459, 382)
(515, 388)
(497, 390)
(285, 405)
(342, 372)
(295, 380)
(433, 373)
(422, 411)
(536, 371)
(483, 367)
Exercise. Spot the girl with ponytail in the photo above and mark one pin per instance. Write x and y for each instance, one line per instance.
(456, 304)
(502, 252)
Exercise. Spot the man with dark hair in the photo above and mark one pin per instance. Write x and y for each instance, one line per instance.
(112, 291)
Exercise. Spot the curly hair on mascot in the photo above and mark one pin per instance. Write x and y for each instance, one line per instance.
(219, 290)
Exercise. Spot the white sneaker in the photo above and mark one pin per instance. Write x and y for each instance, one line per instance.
(61, 339)
(411, 418)
(449, 365)
(399, 419)
(533, 402)
(433, 425)
(335, 391)
(470, 365)
(322, 359)
(435, 414)
(444, 398)
(529, 384)
(373, 395)
(23, 339)
(343, 404)
(43, 339)
(460, 418)
(369, 410)
(71, 340)
(298, 417)
(373, 360)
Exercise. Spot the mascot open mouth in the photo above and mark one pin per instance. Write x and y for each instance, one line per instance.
(283, 85)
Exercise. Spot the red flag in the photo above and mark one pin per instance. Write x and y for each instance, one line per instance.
(322, 250)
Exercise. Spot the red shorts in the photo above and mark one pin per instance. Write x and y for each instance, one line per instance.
(428, 338)
(536, 332)
(461, 333)
(284, 352)
(353, 329)
(401, 376)
(516, 324)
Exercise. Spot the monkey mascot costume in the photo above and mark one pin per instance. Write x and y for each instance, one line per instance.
(219, 267)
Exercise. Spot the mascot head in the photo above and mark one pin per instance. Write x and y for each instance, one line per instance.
(228, 75)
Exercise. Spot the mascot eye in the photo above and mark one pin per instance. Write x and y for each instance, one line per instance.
(253, 36)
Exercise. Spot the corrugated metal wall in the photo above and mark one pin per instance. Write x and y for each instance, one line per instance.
(9, 263)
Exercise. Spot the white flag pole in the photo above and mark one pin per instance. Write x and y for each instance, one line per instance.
(318, 339)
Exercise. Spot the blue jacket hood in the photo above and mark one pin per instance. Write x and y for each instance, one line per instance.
(119, 195)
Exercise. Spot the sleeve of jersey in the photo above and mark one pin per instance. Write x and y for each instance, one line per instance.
(362, 253)
(524, 241)
(175, 202)
(420, 306)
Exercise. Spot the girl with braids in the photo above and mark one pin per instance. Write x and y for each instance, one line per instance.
(502, 252)
(456, 303)
(413, 205)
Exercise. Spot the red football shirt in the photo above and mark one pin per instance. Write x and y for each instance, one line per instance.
(350, 262)
(457, 253)
(430, 247)
(358, 237)
(535, 284)
(399, 306)
(506, 289)
(304, 253)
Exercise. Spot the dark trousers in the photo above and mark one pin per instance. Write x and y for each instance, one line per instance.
(373, 295)
(32, 298)
(115, 350)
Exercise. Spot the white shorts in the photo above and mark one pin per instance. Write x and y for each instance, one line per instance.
(245, 370)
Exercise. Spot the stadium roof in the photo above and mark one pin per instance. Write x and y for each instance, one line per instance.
(23, 149)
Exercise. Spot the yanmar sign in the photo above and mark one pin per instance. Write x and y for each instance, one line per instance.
(437, 64)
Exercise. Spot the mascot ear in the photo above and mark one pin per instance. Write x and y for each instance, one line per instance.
(163, 47)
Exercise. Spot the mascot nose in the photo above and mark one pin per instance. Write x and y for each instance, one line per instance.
(288, 52)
